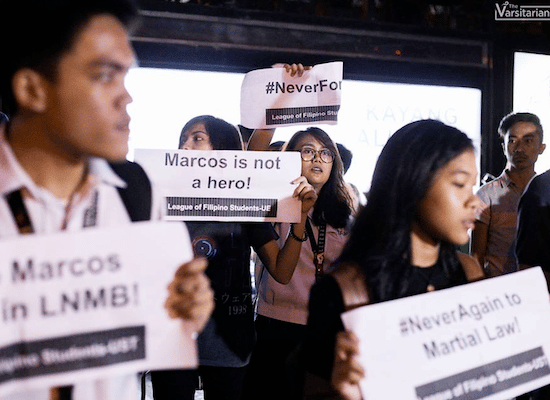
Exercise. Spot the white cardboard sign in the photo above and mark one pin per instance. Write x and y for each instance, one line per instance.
(484, 340)
(90, 304)
(270, 97)
(225, 185)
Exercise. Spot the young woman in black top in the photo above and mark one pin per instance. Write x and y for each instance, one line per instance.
(403, 242)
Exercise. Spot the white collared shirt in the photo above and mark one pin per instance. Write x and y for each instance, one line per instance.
(49, 214)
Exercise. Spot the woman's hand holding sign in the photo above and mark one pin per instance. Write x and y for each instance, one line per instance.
(295, 69)
(347, 371)
(305, 192)
(261, 138)
(189, 294)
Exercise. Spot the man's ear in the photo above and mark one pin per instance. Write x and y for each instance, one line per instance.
(542, 148)
(30, 90)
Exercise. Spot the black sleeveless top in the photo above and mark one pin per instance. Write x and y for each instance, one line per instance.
(326, 304)
(423, 277)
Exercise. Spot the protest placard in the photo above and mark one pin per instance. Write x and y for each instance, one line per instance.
(270, 97)
(86, 305)
(225, 185)
(484, 340)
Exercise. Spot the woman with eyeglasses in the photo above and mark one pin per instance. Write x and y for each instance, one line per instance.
(282, 309)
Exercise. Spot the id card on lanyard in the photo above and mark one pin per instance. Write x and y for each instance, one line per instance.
(23, 220)
(317, 247)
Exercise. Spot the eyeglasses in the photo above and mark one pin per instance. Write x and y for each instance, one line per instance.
(308, 154)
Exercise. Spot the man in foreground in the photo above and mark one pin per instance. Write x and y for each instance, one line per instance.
(62, 86)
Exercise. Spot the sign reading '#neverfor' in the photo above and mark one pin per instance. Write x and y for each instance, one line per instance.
(225, 185)
(90, 304)
(484, 340)
(270, 97)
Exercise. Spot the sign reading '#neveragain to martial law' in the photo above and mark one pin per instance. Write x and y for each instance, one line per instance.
(90, 304)
(484, 340)
(225, 185)
(270, 97)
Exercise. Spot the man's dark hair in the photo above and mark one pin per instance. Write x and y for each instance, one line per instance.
(36, 33)
(346, 155)
(276, 146)
(509, 120)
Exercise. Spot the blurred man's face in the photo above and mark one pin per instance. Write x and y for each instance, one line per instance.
(87, 100)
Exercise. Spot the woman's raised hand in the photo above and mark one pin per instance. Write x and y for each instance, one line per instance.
(294, 69)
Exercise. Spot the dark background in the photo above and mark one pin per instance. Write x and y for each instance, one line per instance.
(387, 41)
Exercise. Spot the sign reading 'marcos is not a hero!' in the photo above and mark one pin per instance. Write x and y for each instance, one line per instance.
(225, 185)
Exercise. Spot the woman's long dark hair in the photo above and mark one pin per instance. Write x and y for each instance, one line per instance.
(333, 205)
(380, 237)
(223, 135)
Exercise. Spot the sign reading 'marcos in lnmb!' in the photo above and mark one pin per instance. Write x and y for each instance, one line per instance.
(79, 306)
(225, 185)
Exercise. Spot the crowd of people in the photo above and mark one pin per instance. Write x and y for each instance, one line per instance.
(64, 136)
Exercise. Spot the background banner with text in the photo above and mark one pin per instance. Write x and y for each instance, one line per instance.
(270, 97)
(484, 340)
(225, 185)
(85, 305)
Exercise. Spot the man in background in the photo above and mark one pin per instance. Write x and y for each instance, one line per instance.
(494, 234)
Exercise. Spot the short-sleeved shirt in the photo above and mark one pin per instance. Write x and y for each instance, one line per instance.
(498, 210)
(228, 338)
(49, 214)
(289, 302)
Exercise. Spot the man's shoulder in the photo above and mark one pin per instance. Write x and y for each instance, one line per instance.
(540, 184)
(537, 192)
(542, 179)
(496, 186)
(137, 195)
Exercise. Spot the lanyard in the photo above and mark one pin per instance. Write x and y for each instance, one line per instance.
(318, 248)
(23, 220)
(20, 213)
(24, 225)
(90, 215)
